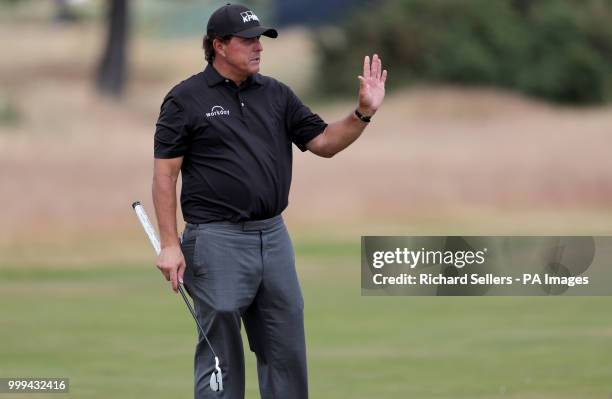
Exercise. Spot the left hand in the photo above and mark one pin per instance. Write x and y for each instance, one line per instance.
(371, 85)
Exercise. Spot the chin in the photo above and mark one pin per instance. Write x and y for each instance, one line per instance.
(253, 70)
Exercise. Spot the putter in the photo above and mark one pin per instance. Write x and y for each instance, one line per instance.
(216, 378)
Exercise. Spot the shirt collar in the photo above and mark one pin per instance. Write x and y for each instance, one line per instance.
(213, 77)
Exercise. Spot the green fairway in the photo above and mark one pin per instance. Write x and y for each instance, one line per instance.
(118, 332)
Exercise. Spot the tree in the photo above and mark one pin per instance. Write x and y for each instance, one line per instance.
(112, 69)
(63, 12)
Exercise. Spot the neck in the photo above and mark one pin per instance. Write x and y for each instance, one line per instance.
(228, 72)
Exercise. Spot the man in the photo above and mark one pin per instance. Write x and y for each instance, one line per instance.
(229, 131)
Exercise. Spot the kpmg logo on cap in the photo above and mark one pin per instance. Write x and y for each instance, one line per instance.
(217, 110)
(248, 16)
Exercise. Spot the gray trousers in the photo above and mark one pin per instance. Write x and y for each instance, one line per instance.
(247, 271)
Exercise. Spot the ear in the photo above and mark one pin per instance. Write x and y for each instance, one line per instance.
(219, 47)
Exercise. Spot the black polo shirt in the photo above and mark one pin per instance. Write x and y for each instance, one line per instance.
(236, 144)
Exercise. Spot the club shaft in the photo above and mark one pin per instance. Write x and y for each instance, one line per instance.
(180, 287)
(150, 230)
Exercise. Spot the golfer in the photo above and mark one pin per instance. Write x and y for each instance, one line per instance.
(229, 131)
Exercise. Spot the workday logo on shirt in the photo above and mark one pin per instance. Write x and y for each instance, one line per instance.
(217, 110)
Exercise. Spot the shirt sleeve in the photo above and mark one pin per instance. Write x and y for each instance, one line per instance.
(171, 133)
(302, 124)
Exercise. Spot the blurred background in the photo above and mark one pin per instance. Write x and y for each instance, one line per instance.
(497, 120)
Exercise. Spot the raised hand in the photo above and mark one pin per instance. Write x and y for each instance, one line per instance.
(371, 85)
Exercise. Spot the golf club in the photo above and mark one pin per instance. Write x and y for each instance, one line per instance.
(216, 378)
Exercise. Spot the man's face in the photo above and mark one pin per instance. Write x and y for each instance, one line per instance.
(243, 55)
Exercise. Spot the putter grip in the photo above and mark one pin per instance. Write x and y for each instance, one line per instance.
(146, 224)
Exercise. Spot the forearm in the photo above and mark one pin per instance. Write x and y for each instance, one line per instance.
(164, 199)
(341, 134)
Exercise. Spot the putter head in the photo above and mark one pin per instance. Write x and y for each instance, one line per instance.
(216, 378)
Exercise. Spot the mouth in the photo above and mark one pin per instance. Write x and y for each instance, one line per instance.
(256, 59)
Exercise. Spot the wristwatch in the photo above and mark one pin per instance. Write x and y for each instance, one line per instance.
(362, 117)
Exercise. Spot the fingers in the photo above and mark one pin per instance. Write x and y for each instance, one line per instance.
(174, 275)
(375, 70)
(164, 272)
(366, 67)
(174, 280)
(171, 263)
(181, 272)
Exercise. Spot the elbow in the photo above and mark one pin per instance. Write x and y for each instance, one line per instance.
(327, 151)
(322, 146)
(328, 154)
(323, 152)
(162, 182)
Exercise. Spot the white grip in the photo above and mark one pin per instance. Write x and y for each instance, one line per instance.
(148, 227)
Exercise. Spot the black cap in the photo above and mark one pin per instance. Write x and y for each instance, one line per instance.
(237, 20)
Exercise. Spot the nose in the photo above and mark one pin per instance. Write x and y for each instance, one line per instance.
(258, 46)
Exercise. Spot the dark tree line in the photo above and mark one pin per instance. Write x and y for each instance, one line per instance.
(112, 68)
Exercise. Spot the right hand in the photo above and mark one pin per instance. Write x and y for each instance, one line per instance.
(171, 263)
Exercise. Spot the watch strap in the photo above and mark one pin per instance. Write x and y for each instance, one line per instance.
(362, 117)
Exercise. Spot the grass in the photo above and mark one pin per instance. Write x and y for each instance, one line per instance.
(117, 331)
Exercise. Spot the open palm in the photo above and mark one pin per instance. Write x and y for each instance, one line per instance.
(371, 85)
